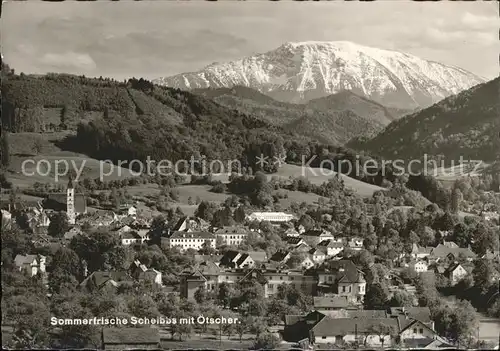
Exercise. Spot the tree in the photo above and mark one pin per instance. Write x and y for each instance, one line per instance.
(306, 221)
(58, 225)
(5, 148)
(267, 341)
(383, 330)
(201, 295)
(101, 250)
(375, 298)
(459, 323)
(240, 328)
(456, 199)
(256, 325)
(295, 260)
(401, 299)
(225, 294)
(239, 215)
(67, 261)
(37, 146)
(206, 211)
(484, 272)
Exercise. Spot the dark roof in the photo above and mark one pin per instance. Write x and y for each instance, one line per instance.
(315, 232)
(61, 200)
(279, 256)
(345, 326)
(98, 278)
(131, 235)
(242, 258)
(330, 243)
(293, 240)
(330, 302)
(233, 230)
(443, 251)
(345, 271)
(204, 258)
(422, 314)
(356, 314)
(131, 336)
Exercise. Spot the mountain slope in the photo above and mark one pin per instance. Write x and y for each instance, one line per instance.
(336, 120)
(467, 125)
(299, 72)
(347, 100)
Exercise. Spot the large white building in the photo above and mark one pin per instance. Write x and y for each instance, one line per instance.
(233, 236)
(274, 217)
(190, 240)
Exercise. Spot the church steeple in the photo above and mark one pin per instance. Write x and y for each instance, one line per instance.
(70, 202)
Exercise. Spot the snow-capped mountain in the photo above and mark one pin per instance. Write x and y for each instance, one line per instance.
(298, 72)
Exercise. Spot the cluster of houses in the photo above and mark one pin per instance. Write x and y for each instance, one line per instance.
(336, 277)
(137, 272)
(340, 327)
(447, 259)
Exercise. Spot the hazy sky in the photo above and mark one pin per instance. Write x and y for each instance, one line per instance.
(161, 38)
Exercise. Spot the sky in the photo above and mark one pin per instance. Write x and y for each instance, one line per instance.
(154, 39)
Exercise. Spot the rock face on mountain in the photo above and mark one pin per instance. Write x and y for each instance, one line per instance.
(465, 125)
(299, 72)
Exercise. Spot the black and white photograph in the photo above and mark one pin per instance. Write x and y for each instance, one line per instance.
(250, 175)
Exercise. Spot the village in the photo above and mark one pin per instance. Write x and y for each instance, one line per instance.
(325, 268)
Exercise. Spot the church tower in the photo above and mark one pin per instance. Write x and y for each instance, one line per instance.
(70, 202)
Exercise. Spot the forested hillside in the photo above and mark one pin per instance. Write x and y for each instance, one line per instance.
(467, 125)
(333, 119)
(135, 119)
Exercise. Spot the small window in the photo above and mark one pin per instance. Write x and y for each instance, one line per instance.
(421, 330)
(323, 337)
(414, 330)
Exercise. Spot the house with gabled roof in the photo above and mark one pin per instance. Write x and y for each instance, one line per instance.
(131, 238)
(333, 248)
(32, 264)
(355, 243)
(293, 241)
(140, 272)
(330, 303)
(190, 224)
(318, 254)
(419, 252)
(280, 256)
(442, 252)
(236, 259)
(350, 327)
(314, 236)
(341, 277)
(456, 272)
(291, 232)
(100, 280)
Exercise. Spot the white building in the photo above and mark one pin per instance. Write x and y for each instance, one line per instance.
(273, 217)
(233, 236)
(419, 266)
(193, 240)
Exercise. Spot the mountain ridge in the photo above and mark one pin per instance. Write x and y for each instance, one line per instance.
(299, 72)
